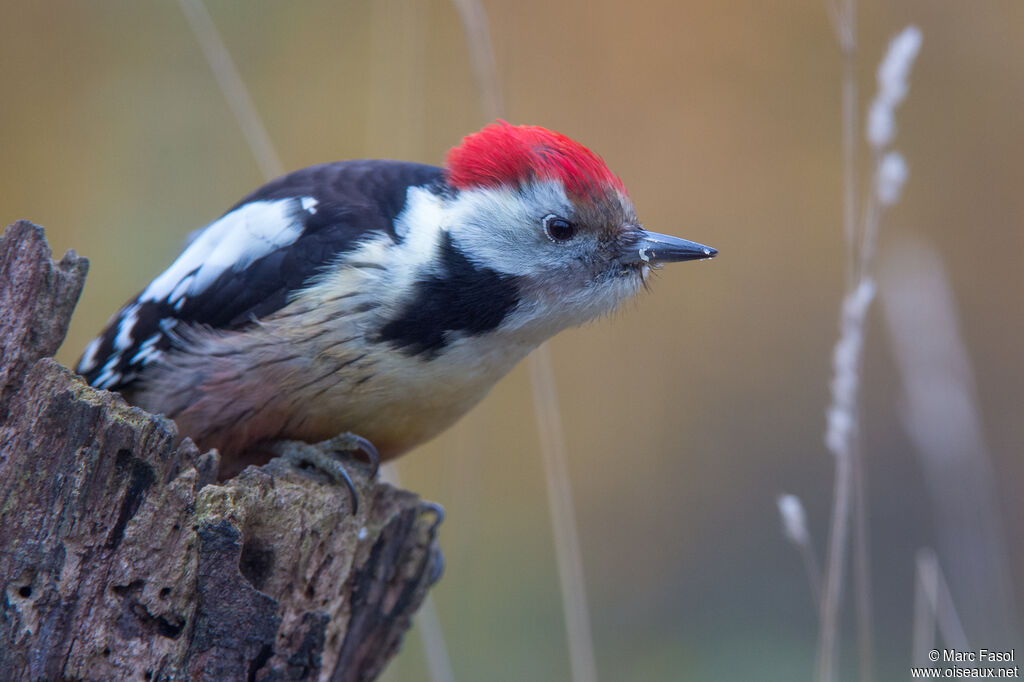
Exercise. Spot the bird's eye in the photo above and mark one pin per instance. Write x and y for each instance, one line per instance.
(559, 229)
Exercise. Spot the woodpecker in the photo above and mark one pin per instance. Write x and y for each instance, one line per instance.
(378, 298)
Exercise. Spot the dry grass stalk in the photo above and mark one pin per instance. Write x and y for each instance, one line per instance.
(842, 433)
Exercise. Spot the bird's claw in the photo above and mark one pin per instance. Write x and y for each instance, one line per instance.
(435, 509)
(350, 442)
(317, 456)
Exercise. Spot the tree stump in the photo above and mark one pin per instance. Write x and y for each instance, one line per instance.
(121, 558)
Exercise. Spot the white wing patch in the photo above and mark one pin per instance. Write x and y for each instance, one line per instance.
(233, 242)
(236, 240)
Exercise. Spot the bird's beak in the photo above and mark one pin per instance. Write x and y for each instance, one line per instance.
(655, 248)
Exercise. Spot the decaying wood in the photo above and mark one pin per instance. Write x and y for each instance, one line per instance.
(121, 558)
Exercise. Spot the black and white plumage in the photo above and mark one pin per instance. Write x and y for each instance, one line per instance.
(244, 265)
(383, 298)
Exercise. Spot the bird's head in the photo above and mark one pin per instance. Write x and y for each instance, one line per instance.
(534, 205)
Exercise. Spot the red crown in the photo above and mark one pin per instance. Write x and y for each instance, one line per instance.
(503, 154)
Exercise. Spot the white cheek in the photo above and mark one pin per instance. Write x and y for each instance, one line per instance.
(502, 229)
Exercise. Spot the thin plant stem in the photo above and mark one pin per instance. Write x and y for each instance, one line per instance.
(861, 541)
(481, 56)
(813, 572)
(843, 15)
(832, 586)
(568, 556)
(933, 606)
(563, 518)
(233, 88)
(850, 498)
(432, 638)
(843, 435)
(862, 566)
(950, 625)
(925, 599)
(861, 535)
(428, 623)
(848, 45)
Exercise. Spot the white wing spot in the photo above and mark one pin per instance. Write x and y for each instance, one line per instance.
(309, 205)
(147, 351)
(124, 328)
(109, 376)
(88, 362)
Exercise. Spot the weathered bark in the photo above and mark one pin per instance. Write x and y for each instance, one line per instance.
(120, 557)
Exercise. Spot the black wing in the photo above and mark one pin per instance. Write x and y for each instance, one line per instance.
(246, 264)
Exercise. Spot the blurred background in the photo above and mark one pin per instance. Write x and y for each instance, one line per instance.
(689, 411)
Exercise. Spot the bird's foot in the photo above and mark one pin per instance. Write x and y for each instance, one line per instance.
(325, 457)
